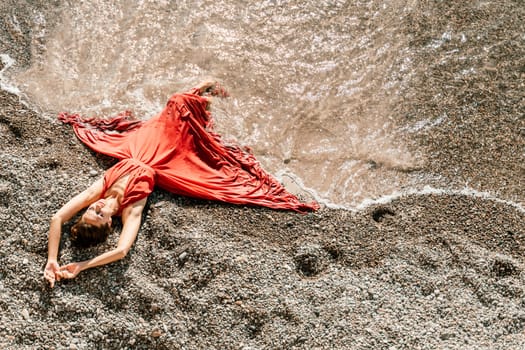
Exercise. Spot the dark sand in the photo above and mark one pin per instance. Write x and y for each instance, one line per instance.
(422, 272)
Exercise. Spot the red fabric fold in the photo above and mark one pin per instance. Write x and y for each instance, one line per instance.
(175, 151)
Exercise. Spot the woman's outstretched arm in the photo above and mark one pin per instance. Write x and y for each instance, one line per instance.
(131, 219)
(65, 213)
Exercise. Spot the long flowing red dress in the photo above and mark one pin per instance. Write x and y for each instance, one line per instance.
(175, 151)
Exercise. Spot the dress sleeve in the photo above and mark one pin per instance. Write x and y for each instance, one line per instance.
(104, 135)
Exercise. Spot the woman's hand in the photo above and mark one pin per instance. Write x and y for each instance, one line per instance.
(50, 272)
(69, 271)
(213, 88)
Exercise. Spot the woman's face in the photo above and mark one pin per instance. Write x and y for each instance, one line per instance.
(97, 214)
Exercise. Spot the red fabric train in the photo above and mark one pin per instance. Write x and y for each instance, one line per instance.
(176, 152)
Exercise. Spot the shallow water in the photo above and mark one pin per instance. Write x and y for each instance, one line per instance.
(314, 84)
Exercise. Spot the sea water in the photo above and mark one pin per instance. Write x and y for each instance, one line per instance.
(313, 84)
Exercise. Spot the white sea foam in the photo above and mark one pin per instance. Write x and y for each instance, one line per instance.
(427, 190)
(7, 85)
(425, 124)
(292, 180)
(4, 82)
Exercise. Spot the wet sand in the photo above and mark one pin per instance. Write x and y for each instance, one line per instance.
(434, 271)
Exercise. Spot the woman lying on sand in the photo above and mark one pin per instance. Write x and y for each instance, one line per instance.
(174, 151)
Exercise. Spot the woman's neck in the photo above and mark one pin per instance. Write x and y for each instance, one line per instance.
(113, 203)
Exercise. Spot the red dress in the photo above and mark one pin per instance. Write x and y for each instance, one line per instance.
(176, 152)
